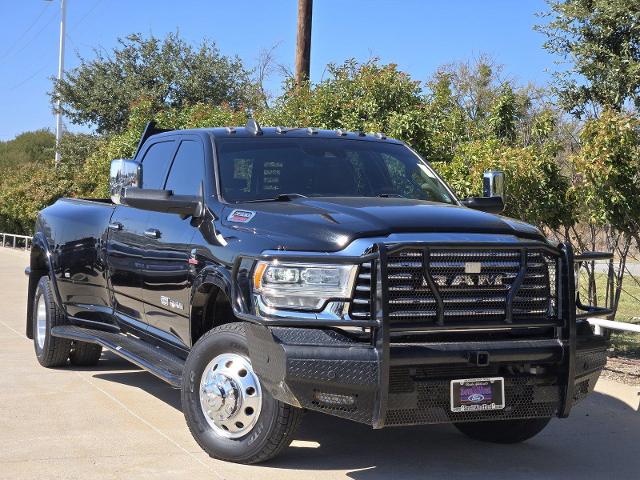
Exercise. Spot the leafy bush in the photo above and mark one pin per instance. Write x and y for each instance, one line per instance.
(608, 171)
(28, 147)
(29, 189)
(535, 189)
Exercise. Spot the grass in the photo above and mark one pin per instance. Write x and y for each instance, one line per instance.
(623, 343)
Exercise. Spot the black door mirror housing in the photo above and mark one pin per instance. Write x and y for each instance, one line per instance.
(486, 204)
(162, 201)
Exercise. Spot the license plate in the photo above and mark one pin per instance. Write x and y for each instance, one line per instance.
(477, 394)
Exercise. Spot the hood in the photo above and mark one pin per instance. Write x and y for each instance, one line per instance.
(329, 224)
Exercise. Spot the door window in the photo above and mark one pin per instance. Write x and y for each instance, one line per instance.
(155, 163)
(187, 170)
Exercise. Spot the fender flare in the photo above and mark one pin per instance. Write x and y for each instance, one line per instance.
(211, 280)
(210, 276)
(40, 264)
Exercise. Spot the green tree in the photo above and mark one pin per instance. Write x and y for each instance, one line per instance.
(92, 179)
(600, 40)
(168, 73)
(26, 148)
(608, 170)
(607, 186)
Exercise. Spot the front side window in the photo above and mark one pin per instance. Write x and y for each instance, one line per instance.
(155, 163)
(187, 170)
(263, 168)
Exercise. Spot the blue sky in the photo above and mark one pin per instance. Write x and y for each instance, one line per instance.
(417, 35)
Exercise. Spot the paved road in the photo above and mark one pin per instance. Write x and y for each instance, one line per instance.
(115, 421)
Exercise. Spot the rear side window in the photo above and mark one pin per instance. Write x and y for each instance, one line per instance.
(155, 164)
(187, 170)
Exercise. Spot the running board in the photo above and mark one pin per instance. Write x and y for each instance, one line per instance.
(155, 360)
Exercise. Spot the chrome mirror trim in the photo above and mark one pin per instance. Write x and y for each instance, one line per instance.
(123, 173)
(493, 184)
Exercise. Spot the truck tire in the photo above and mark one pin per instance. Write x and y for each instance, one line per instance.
(84, 354)
(228, 413)
(50, 351)
(504, 431)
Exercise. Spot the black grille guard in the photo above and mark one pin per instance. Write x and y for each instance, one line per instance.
(568, 303)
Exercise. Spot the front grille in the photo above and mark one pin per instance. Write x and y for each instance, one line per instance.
(470, 287)
(363, 292)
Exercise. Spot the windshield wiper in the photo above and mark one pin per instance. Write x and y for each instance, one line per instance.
(390, 195)
(282, 197)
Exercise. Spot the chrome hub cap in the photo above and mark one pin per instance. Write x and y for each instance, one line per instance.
(230, 395)
(41, 322)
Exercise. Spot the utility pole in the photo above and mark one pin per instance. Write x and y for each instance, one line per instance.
(63, 19)
(303, 43)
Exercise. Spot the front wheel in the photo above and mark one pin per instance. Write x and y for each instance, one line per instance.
(229, 414)
(504, 431)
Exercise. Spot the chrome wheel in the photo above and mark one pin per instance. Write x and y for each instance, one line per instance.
(41, 322)
(230, 395)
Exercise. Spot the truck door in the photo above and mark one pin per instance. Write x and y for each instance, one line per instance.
(167, 277)
(127, 240)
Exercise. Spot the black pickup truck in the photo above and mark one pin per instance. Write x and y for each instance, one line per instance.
(269, 271)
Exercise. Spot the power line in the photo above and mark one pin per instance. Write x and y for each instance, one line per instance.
(51, 19)
(83, 18)
(30, 77)
(24, 33)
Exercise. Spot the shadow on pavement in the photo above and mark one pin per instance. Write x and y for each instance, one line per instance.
(108, 362)
(599, 440)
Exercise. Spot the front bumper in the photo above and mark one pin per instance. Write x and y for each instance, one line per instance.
(323, 370)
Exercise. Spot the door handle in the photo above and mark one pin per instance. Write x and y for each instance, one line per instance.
(117, 226)
(152, 233)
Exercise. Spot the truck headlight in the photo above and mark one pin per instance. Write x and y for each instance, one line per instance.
(302, 286)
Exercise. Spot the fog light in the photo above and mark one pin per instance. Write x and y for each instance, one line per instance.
(335, 399)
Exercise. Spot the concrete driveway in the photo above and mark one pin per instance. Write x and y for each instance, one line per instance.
(116, 421)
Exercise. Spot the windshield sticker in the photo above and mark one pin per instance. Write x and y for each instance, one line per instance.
(241, 216)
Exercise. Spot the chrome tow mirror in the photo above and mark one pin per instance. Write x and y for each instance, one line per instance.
(124, 173)
(493, 184)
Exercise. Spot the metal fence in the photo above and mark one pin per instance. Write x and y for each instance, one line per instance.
(16, 241)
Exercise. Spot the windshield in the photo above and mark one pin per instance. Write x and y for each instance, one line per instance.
(262, 168)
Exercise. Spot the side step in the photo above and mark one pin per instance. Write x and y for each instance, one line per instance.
(155, 360)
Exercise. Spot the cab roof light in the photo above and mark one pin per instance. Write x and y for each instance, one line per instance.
(253, 126)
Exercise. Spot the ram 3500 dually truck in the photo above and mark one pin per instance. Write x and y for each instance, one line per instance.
(268, 271)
